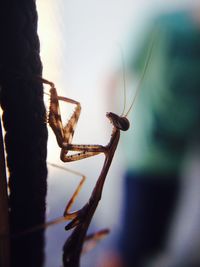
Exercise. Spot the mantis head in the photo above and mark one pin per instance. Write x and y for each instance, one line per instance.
(121, 123)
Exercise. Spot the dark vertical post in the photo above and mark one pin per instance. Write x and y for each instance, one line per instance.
(4, 221)
(24, 119)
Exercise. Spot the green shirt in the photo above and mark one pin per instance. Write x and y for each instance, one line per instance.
(166, 116)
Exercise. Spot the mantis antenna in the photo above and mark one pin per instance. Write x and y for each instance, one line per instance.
(124, 77)
(140, 80)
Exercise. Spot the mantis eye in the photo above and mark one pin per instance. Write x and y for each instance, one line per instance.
(123, 124)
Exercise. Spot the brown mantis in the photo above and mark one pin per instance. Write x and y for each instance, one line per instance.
(80, 219)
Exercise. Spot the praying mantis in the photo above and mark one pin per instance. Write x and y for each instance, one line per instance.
(80, 219)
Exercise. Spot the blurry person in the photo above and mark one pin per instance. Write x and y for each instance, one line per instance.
(164, 123)
(183, 242)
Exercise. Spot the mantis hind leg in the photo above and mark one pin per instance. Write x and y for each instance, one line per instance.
(68, 215)
(91, 240)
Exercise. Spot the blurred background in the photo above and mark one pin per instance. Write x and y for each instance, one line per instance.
(79, 52)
